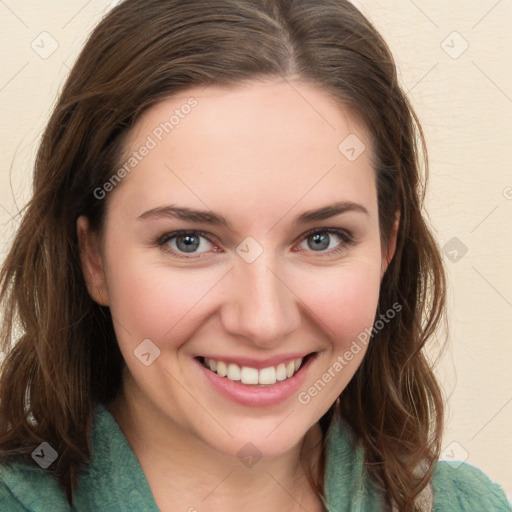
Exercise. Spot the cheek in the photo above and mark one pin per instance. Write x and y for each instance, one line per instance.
(345, 306)
(156, 302)
(345, 301)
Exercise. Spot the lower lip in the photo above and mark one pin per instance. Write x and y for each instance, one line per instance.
(257, 396)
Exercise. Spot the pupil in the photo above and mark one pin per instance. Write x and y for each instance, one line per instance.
(322, 239)
(189, 244)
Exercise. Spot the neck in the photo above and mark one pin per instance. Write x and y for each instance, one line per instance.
(185, 473)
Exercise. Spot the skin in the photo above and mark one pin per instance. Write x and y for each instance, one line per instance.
(260, 155)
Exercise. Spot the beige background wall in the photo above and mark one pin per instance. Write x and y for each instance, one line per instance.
(455, 59)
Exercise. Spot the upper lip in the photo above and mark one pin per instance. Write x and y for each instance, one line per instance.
(259, 363)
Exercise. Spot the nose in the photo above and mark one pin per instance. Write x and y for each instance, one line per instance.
(261, 305)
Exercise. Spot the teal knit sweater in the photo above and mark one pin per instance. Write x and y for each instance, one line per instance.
(113, 481)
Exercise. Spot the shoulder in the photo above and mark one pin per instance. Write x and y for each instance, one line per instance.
(9, 502)
(456, 486)
(465, 488)
(24, 488)
(112, 479)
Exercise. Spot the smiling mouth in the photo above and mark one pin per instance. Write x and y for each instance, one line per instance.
(252, 376)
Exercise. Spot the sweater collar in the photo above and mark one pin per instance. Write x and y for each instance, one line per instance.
(347, 486)
(114, 479)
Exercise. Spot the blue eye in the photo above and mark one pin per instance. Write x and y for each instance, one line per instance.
(186, 242)
(321, 239)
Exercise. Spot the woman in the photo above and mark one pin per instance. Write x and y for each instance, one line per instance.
(224, 279)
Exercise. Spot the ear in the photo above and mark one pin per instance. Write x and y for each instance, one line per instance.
(92, 264)
(389, 251)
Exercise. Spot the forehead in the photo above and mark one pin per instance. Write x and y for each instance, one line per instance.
(278, 140)
(266, 106)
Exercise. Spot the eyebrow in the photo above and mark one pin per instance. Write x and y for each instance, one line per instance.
(210, 217)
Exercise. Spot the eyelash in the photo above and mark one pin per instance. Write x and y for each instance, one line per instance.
(346, 237)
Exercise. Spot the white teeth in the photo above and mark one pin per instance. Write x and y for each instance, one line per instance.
(252, 376)
(233, 372)
(267, 376)
(222, 369)
(281, 372)
(249, 375)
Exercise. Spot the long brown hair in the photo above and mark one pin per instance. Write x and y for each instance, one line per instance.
(65, 358)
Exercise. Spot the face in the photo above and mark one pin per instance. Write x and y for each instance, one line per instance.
(257, 285)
